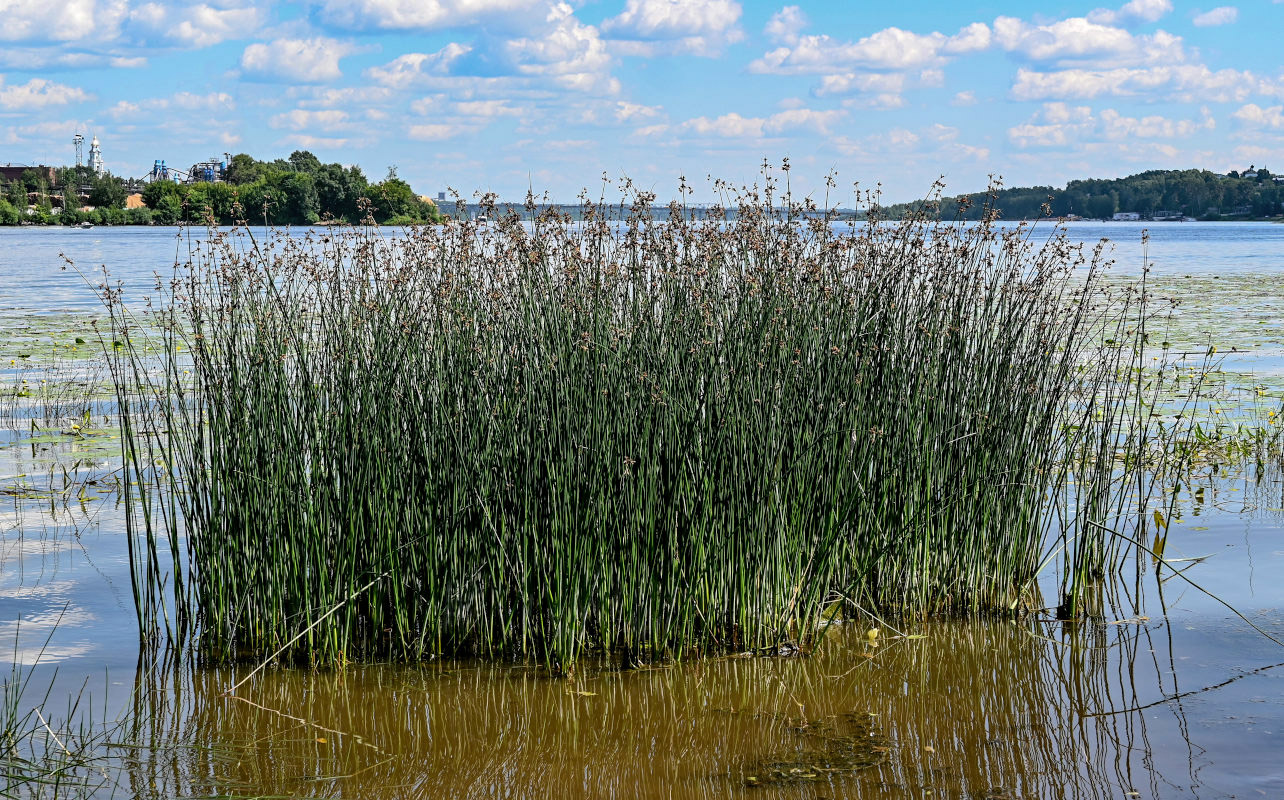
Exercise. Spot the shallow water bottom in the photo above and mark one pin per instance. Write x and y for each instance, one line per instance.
(981, 710)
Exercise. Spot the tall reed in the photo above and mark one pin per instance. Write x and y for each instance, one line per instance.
(639, 433)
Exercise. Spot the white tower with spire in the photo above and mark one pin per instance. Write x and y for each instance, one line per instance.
(95, 157)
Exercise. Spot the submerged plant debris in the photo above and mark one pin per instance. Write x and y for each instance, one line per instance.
(828, 749)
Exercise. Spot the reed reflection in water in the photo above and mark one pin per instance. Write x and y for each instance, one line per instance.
(980, 710)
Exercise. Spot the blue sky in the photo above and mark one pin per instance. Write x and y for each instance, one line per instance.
(500, 95)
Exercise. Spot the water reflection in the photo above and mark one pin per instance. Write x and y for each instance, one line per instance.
(985, 710)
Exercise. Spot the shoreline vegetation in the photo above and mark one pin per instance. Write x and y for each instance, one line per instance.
(640, 437)
(301, 190)
(1255, 195)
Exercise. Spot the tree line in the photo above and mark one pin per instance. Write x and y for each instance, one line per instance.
(300, 190)
(33, 198)
(1191, 192)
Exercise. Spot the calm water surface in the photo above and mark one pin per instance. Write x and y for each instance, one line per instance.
(1172, 696)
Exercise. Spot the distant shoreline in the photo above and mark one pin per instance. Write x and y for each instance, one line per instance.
(845, 217)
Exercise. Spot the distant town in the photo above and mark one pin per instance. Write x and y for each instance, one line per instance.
(300, 190)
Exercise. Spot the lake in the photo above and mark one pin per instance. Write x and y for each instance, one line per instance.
(1171, 696)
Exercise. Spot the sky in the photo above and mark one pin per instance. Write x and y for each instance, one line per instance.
(506, 95)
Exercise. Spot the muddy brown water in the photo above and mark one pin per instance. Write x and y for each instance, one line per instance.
(1170, 696)
(987, 710)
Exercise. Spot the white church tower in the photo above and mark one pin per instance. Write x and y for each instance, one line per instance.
(95, 157)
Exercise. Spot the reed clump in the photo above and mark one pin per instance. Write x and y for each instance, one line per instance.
(639, 433)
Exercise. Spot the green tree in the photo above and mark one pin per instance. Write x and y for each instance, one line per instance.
(299, 190)
(156, 191)
(168, 210)
(393, 198)
(33, 181)
(137, 216)
(71, 213)
(44, 209)
(243, 169)
(261, 203)
(210, 201)
(305, 161)
(17, 195)
(1101, 206)
(299, 201)
(107, 191)
(338, 190)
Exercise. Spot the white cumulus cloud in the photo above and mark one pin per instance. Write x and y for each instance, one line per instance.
(702, 27)
(736, 126)
(1117, 127)
(802, 119)
(937, 144)
(104, 25)
(1184, 82)
(302, 119)
(571, 53)
(727, 126)
(295, 60)
(409, 69)
(486, 108)
(213, 101)
(1254, 116)
(631, 112)
(561, 51)
(881, 100)
(1061, 124)
(305, 141)
(420, 14)
(1134, 11)
(38, 93)
(347, 97)
(65, 21)
(197, 25)
(1222, 15)
(1079, 42)
(786, 25)
(436, 132)
(875, 82)
(887, 49)
(186, 101)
